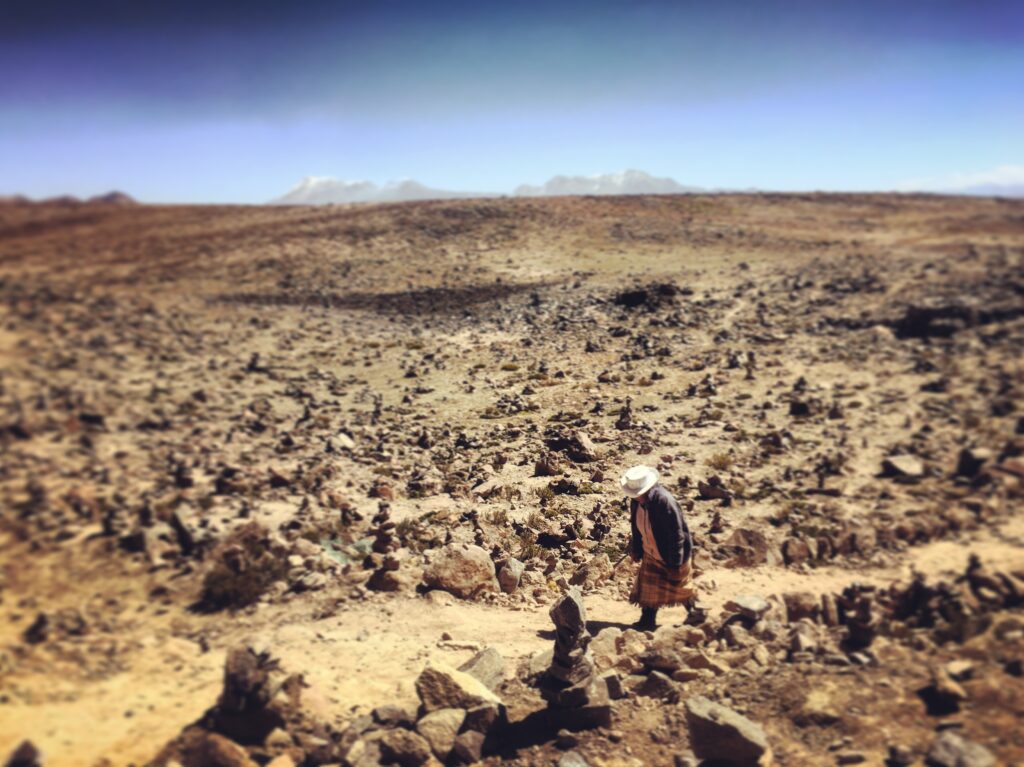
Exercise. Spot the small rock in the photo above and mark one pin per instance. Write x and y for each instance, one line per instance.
(25, 755)
(468, 747)
(900, 756)
(971, 461)
(951, 750)
(393, 716)
(404, 747)
(749, 606)
(903, 467)
(943, 695)
(850, 757)
(439, 729)
(566, 740)
(439, 597)
(719, 733)
(795, 551)
(441, 686)
(960, 670)
(605, 649)
(488, 666)
(510, 575)
(658, 686)
(801, 604)
(482, 718)
(593, 573)
(278, 740)
(572, 759)
(217, 751)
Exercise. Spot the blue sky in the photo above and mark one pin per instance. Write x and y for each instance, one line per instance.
(236, 102)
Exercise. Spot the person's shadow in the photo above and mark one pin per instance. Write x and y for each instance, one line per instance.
(593, 628)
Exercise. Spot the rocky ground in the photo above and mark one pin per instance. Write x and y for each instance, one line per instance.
(304, 486)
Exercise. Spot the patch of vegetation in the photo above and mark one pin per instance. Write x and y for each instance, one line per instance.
(509, 366)
(407, 528)
(244, 569)
(615, 549)
(536, 519)
(545, 493)
(720, 461)
(497, 517)
(528, 546)
(530, 551)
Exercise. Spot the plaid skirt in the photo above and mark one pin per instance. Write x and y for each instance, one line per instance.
(659, 585)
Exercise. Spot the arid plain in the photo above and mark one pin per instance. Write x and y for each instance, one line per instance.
(241, 444)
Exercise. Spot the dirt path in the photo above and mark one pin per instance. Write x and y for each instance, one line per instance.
(371, 652)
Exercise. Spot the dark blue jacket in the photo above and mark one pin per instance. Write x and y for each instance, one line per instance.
(671, 533)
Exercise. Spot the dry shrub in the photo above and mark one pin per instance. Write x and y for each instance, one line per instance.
(720, 461)
(244, 569)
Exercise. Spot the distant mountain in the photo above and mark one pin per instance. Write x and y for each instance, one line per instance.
(112, 198)
(1001, 181)
(322, 190)
(992, 190)
(627, 182)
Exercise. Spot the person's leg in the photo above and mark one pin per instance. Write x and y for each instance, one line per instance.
(648, 617)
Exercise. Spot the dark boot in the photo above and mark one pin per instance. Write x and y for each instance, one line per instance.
(696, 613)
(648, 619)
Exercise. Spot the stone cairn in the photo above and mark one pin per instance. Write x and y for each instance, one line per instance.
(625, 419)
(577, 697)
(259, 718)
(383, 560)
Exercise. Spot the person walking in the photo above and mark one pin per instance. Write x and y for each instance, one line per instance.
(661, 542)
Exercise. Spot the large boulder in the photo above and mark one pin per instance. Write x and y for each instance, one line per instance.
(441, 686)
(465, 571)
(719, 734)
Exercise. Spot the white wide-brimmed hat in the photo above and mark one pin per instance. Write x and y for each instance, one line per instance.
(638, 480)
